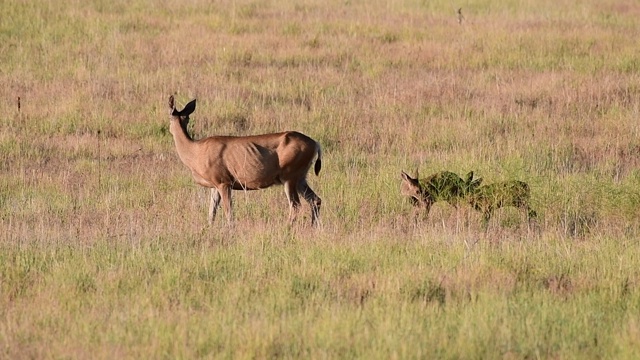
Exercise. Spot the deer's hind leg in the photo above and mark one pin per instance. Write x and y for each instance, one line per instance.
(294, 200)
(225, 195)
(531, 214)
(314, 200)
(486, 217)
(215, 203)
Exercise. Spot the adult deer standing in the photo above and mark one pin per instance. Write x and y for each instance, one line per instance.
(225, 163)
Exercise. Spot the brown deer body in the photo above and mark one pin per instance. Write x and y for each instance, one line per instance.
(225, 163)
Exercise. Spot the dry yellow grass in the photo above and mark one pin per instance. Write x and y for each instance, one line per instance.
(104, 251)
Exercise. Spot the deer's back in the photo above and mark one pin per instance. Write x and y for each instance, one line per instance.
(258, 161)
(444, 185)
(514, 191)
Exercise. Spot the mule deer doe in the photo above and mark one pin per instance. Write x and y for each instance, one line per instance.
(225, 163)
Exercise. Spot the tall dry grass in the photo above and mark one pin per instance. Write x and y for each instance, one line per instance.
(104, 251)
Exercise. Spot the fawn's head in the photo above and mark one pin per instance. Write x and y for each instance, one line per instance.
(411, 187)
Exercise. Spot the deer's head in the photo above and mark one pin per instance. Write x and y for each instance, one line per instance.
(181, 116)
(411, 187)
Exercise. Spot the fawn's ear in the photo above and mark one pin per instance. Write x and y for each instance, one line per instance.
(469, 177)
(406, 177)
(411, 181)
(475, 183)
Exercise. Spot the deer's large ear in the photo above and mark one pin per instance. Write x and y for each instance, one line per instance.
(172, 104)
(189, 108)
(405, 176)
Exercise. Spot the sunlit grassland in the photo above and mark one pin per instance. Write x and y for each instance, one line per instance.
(104, 247)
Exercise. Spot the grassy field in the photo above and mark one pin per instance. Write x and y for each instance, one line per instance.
(105, 250)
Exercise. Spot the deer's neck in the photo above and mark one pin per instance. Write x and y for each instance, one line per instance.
(185, 146)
